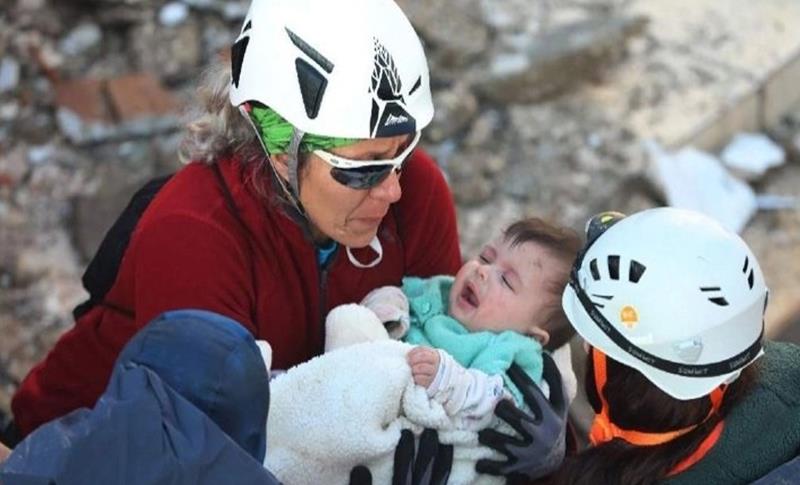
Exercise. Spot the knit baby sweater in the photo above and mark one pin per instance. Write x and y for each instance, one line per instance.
(490, 352)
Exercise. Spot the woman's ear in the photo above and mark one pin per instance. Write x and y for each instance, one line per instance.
(541, 335)
(280, 161)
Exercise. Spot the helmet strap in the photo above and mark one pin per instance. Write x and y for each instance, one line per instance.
(603, 429)
(293, 163)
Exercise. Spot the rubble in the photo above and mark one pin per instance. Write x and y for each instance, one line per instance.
(558, 60)
(95, 110)
(750, 155)
(84, 39)
(696, 180)
(540, 109)
(173, 14)
(9, 74)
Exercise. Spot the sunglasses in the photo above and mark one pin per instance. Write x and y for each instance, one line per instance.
(365, 174)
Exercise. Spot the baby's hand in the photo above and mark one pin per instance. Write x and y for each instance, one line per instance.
(424, 362)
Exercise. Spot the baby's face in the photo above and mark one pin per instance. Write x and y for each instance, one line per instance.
(505, 288)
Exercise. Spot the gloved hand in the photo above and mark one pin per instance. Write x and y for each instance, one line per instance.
(430, 466)
(539, 448)
(390, 304)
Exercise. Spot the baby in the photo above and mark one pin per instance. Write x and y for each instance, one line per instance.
(501, 308)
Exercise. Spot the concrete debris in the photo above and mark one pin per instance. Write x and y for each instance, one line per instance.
(750, 155)
(142, 106)
(90, 94)
(454, 30)
(455, 110)
(557, 60)
(9, 74)
(172, 14)
(81, 39)
(696, 180)
(13, 168)
(777, 202)
(95, 110)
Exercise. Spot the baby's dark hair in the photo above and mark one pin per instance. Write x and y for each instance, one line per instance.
(564, 244)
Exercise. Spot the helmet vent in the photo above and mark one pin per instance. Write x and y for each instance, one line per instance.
(312, 82)
(416, 86)
(314, 54)
(613, 267)
(717, 300)
(237, 57)
(604, 297)
(312, 86)
(594, 270)
(247, 26)
(750, 277)
(636, 271)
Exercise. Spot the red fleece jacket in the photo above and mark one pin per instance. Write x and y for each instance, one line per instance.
(189, 251)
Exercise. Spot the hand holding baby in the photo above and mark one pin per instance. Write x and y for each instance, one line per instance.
(424, 362)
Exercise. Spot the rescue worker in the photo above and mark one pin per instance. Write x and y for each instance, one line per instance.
(290, 204)
(684, 388)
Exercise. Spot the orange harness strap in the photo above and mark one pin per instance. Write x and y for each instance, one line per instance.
(700, 452)
(603, 429)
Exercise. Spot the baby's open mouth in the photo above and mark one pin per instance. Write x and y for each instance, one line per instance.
(468, 295)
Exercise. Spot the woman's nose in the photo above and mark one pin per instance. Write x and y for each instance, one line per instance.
(389, 189)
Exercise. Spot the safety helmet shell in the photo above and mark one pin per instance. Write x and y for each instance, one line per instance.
(344, 68)
(678, 286)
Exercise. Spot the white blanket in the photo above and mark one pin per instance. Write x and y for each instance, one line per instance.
(347, 408)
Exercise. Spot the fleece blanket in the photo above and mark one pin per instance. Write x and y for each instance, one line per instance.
(347, 407)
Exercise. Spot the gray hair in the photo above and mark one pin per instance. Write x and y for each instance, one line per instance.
(215, 127)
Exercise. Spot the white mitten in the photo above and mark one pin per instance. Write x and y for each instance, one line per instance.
(391, 306)
(352, 324)
(266, 352)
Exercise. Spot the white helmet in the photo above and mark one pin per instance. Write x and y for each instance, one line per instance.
(339, 68)
(672, 294)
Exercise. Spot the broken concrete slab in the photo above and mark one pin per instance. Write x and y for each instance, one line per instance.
(96, 110)
(82, 113)
(455, 110)
(453, 29)
(696, 180)
(141, 105)
(9, 74)
(557, 60)
(750, 155)
(13, 167)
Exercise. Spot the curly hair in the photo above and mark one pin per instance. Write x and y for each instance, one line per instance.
(215, 127)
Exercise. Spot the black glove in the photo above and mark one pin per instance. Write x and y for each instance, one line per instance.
(430, 466)
(539, 448)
